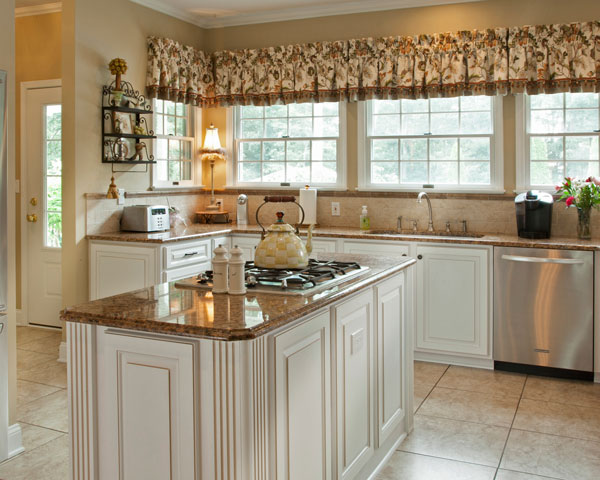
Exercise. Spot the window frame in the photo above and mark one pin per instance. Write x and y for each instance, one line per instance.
(496, 185)
(522, 140)
(195, 132)
(233, 127)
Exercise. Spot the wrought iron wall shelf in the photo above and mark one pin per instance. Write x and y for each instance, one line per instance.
(126, 148)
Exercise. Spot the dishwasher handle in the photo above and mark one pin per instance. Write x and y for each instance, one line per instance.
(560, 261)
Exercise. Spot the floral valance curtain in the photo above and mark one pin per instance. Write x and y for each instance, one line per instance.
(540, 59)
(555, 58)
(179, 73)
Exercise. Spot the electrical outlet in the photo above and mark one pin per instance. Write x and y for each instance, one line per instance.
(121, 199)
(335, 209)
(220, 202)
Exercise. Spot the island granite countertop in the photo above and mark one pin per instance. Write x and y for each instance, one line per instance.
(168, 309)
(197, 231)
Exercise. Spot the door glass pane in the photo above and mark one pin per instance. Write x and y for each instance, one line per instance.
(52, 217)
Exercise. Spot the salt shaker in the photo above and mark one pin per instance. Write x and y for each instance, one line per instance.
(237, 279)
(219, 266)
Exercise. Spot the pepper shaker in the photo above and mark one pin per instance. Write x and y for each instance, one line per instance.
(219, 266)
(237, 278)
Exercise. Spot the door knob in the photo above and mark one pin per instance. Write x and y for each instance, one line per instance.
(33, 201)
(32, 217)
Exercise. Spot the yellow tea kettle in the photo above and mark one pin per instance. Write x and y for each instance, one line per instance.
(280, 246)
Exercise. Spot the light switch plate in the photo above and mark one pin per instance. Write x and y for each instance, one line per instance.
(335, 209)
(121, 199)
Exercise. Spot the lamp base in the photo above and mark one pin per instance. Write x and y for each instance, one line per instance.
(212, 208)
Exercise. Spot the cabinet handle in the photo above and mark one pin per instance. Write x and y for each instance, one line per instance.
(190, 254)
(420, 257)
(404, 255)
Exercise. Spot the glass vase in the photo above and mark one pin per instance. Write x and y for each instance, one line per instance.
(584, 229)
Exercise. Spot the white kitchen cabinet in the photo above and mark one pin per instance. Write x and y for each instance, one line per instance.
(247, 243)
(390, 325)
(353, 321)
(452, 294)
(322, 245)
(376, 248)
(303, 400)
(118, 268)
(146, 402)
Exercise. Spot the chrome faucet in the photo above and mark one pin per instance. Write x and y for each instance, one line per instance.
(419, 200)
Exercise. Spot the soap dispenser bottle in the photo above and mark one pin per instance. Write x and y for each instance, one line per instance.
(365, 223)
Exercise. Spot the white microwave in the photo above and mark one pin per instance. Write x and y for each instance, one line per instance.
(145, 218)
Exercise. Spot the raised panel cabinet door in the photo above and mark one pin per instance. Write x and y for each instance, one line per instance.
(452, 300)
(146, 409)
(376, 248)
(355, 383)
(320, 245)
(116, 269)
(390, 297)
(303, 400)
(247, 243)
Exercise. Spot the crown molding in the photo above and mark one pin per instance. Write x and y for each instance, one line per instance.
(38, 9)
(286, 14)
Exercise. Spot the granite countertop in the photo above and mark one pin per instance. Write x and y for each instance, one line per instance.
(191, 312)
(196, 231)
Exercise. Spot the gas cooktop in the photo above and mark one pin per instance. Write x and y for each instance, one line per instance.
(317, 276)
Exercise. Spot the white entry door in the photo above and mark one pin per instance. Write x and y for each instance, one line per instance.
(43, 204)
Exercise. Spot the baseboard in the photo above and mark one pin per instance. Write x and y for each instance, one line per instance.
(21, 320)
(387, 457)
(15, 440)
(460, 360)
(62, 352)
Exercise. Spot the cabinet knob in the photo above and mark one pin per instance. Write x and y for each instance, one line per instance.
(420, 257)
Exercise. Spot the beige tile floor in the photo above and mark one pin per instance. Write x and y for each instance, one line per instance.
(41, 408)
(482, 425)
(469, 425)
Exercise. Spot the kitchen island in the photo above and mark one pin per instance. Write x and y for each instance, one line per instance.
(175, 382)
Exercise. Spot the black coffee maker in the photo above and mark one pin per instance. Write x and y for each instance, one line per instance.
(534, 214)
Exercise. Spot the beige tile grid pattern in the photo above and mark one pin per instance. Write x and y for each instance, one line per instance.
(470, 424)
(41, 408)
(483, 216)
(482, 424)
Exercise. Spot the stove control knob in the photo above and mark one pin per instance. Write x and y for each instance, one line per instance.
(251, 281)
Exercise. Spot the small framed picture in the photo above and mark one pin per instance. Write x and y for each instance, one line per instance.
(122, 123)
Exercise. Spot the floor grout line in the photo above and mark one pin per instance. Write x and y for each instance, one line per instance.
(432, 388)
(465, 421)
(513, 421)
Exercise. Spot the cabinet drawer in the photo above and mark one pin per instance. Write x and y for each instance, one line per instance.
(376, 248)
(186, 254)
(185, 272)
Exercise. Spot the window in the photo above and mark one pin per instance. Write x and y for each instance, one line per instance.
(295, 144)
(52, 176)
(558, 136)
(448, 144)
(174, 150)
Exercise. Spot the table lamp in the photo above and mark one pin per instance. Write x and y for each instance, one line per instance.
(212, 151)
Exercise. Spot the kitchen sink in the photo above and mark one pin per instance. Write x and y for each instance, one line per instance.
(426, 234)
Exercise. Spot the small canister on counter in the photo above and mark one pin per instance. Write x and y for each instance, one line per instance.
(237, 267)
(219, 266)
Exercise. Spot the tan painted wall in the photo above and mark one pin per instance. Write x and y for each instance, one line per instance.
(37, 57)
(7, 62)
(93, 33)
(490, 13)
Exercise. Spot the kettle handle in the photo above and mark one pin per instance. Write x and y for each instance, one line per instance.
(279, 199)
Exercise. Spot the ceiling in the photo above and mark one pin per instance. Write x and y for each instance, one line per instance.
(223, 13)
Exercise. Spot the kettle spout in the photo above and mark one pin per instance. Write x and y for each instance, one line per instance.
(309, 239)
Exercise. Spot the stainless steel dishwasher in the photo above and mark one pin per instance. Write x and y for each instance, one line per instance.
(544, 311)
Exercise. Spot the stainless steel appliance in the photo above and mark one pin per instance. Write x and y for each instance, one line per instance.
(145, 218)
(543, 311)
(316, 277)
(242, 210)
(534, 214)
